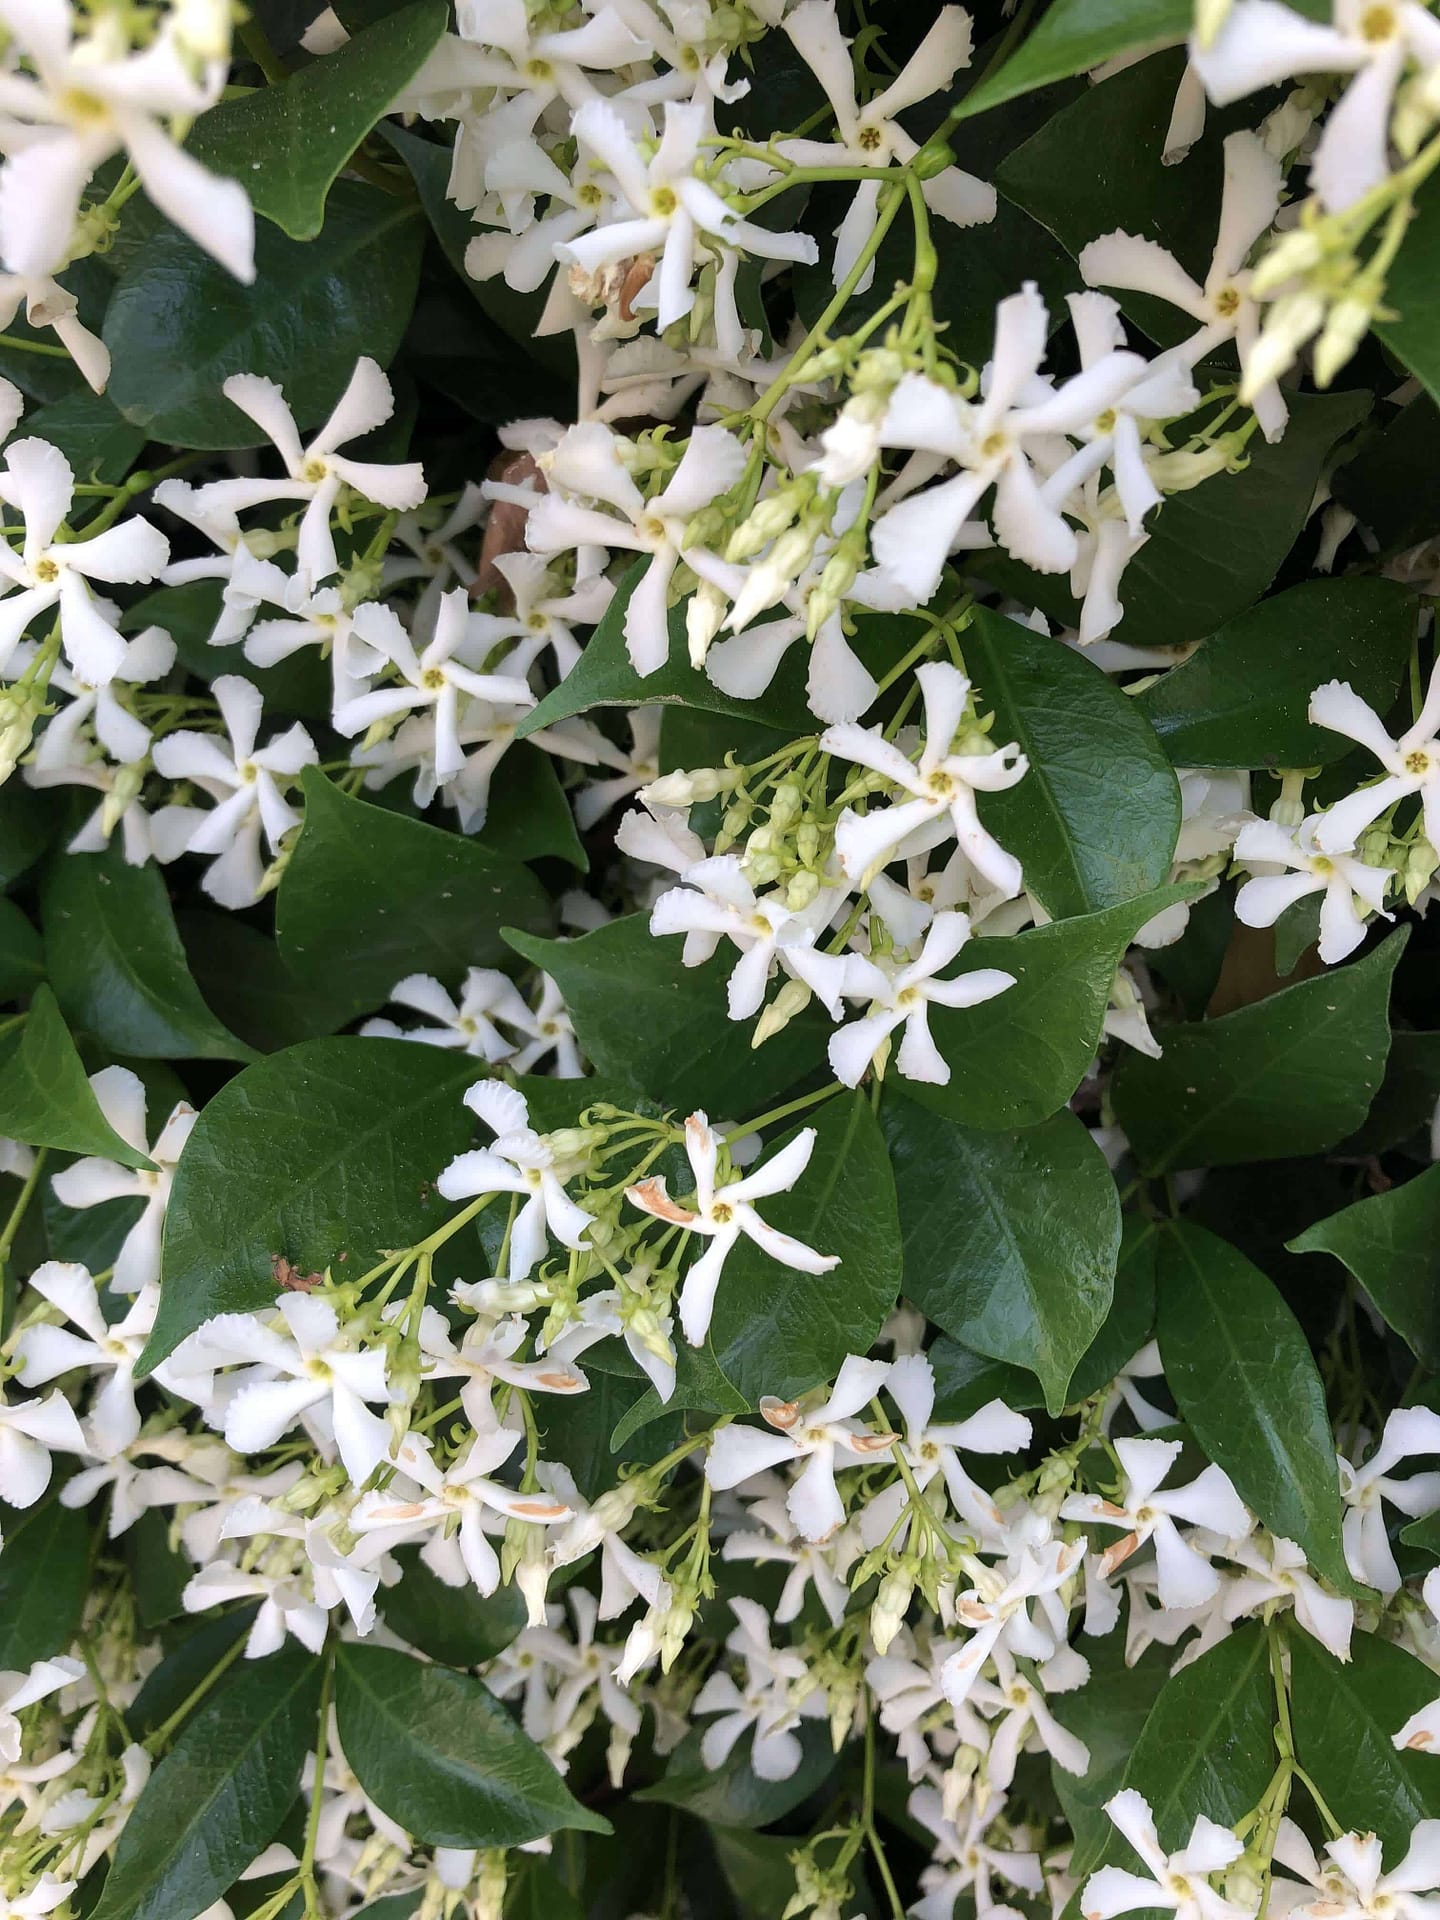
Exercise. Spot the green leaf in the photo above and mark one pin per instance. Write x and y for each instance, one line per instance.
(1287, 1076)
(1243, 1378)
(1074, 36)
(28, 823)
(178, 324)
(369, 896)
(1406, 1101)
(287, 144)
(1094, 821)
(1391, 1243)
(1026, 1284)
(1344, 1718)
(1240, 701)
(1412, 288)
(1018, 1058)
(530, 814)
(651, 1023)
(1392, 484)
(1109, 1714)
(45, 1097)
(158, 1571)
(324, 1153)
(1131, 1319)
(217, 1798)
(454, 1625)
(966, 1381)
(299, 685)
(778, 1331)
(22, 954)
(700, 1386)
(44, 1577)
(100, 444)
(733, 1794)
(437, 1752)
(243, 976)
(1214, 550)
(117, 965)
(203, 1642)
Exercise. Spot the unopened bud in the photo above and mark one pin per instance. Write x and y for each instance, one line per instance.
(1346, 327)
(124, 790)
(1289, 257)
(1421, 861)
(704, 614)
(792, 998)
(892, 1602)
(1293, 320)
(688, 789)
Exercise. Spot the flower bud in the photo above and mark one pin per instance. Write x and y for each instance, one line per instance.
(1288, 257)
(124, 789)
(1293, 319)
(792, 998)
(887, 1615)
(20, 707)
(687, 789)
(1421, 861)
(1347, 325)
(704, 615)
(802, 889)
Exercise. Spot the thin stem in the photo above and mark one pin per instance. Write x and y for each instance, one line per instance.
(22, 1202)
(156, 1740)
(782, 1113)
(317, 1795)
(33, 346)
(256, 43)
(892, 1892)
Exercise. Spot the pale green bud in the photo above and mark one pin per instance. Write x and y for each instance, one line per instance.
(1421, 861)
(892, 1602)
(1289, 257)
(1347, 325)
(124, 789)
(687, 789)
(1293, 320)
(704, 614)
(20, 707)
(792, 998)
(802, 889)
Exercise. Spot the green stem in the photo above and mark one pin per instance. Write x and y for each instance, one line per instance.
(317, 1795)
(22, 1202)
(160, 1737)
(782, 1113)
(34, 346)
(257, 44)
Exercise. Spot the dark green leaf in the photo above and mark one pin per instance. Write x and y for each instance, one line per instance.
(651, 1023)
(178, 324)
(369, 896)
(1391, 1243)
(700, 1386)
(966, 1381)
(530, 815)
(117, 965)
(243, 976)
(454, 1625)
(323, 1153)
(1408, 1094)
(1241, 700)
(438, 1753)
(1131, 1318)
(1289, 1075)
(1392, 485)
(100, 444)
(28, 823)
(188, 613)
(1026, 1284)
(1411, 291)
(204, 1641)
(1094, 821)
(1243, 1378)
(734, 1795)
(1109, 1714)
(217, 1798)
(45, 1098)
(158, 1572)
(22, 956)
(286, 144)
(1072, 37)
(1018, 1058)
(44, 1576)
(1345, 1718)
(778, 1331)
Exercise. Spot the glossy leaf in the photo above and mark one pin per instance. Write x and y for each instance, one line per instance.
(117, 965)
(1018, 1058)
(1109, 1714)
(1345, 1718)
(1289, 1075)
(778, 1331)
(1412, 287)
(299, 685)
(651, 1023)
(22, 953)
(1026, 1284)
(369, 896)
(1072, 37)
(242, 974)
(454, 1625)
(1243, 1378)
(1131, 1319)
(44, 1577)
(1095, 819)
(1240, 701)
(178, 324)
(287, 143)
(966, 1381)
(98, 441)
(324, 1153)
(733, 1794)
(1391, 1243)
(217, 1798)
(45, 1097)
(437, 1752)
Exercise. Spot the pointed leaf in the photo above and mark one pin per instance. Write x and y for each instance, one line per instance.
(1345, 1718)
(1391, 1243)
(45, 1097)
(44, 1576)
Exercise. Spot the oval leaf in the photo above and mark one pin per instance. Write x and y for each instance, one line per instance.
(45, 1097)
(1345, 1719)
(1391, 1243)
(44, 1576)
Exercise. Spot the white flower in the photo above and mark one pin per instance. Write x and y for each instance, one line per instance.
(1179, 1882)
(1364, 1488)
(47, 1351)
(778, 1539)
(37, 481)
(1261, 42)
(586, 466)
(30, 1431)
(91, 97)
(305, 1367)
(1352, 889)
(44, 1897)
(316, 473)
(871, 136)
(717, 900)
(91, 1182)
(1351, 1885)
(1282, 1574)
(437, 678)
(722, 1215)
(1223, 304)
(942, 786)
(763, 1703)
(21, 1690)
(545, 614)
(814, 1434)
(998, 1612)
(126, 739)
(246, 785)
(467, 1025)
(1186, 1578)
(520, 1162)
(1411, 763)
(486, 1354)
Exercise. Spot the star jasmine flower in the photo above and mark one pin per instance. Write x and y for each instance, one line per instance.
(673, 213)
(815, 1434)
(45, 1351)
(1349, 1885)
(92, 1182)
(21, 1690)
(1223, 304)
(1411, 763)
(37, 481)
(1178, 1882)
(315, 473)
(1281, 1573)
(587, 466)
(1365, 1488)
(763, 1704)
(718, 902)
(998, 1612)
(1352, 889)
(546, 614)
(486, 1354)
(30, 1431)
(1261, 42)
(549, 1030)
(942, 786)
(624, 1313)
(48, 304)
(521, 1162)
(467, 1025)
(967, 1861)
(304, 1368)
(435, 678)
(245, 784)
(778, 1539)
(724, 1214)
(148, 656)
(314, 617)
(91, 96)
(1186, 1577)
(871, 135)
